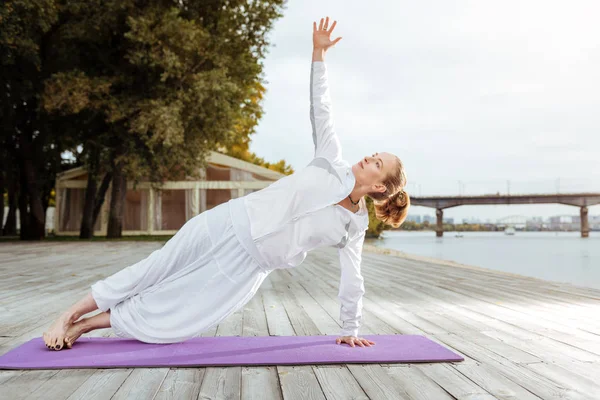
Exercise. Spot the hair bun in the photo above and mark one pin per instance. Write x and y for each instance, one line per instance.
(400, 198)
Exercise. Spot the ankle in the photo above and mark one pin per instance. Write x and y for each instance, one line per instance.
(83, 326)
(70, 316)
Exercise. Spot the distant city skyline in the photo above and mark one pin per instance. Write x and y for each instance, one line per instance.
(476, 219)
(554, 223)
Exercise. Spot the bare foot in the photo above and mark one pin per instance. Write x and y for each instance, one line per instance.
(74, 332)
(54, 337)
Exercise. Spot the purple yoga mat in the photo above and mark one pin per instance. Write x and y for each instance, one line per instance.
(98, 352)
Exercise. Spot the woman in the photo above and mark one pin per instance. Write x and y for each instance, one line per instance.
(217, 261)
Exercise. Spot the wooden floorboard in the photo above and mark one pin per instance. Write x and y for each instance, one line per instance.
(521, 337)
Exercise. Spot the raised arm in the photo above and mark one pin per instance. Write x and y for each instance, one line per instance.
(325, 139)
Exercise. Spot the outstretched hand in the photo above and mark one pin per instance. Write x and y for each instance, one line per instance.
(322, 36)
(351, 340)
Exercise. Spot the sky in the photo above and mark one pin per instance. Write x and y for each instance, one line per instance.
(473, 96)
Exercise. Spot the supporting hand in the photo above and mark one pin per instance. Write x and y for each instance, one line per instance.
(353, 339)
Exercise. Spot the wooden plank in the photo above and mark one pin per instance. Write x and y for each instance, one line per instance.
(493, 382)
(101, 385)
(417, 385)
(454, 382)
(296, 382)
(522, 375)
(22, 385)
(181, 383)
(334, 381)
(224, 382)
(141, 383)
(62, 385)
(258, 383)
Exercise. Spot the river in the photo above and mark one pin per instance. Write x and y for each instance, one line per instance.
(553, 256)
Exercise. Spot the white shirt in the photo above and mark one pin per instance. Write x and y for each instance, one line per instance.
(299, 212)
(330, 226)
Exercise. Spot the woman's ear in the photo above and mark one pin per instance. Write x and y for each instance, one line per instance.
(379, 187)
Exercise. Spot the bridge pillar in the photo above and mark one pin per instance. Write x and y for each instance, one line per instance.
(439, 228)
(585, 229)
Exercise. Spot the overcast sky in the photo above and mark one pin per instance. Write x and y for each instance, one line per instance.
(469, 94)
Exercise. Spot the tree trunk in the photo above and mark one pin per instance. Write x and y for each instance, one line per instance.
(101, 196)
(24, 230)
(36, 217)
(86, 230)
(10, 227)
(117, 199)
(87, 220)
(2, 189)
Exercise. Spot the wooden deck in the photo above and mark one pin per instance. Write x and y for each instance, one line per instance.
(522, 338)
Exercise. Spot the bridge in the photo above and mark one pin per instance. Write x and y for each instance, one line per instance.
(440, 203)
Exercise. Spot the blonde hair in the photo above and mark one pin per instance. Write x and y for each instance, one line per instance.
(391, 206)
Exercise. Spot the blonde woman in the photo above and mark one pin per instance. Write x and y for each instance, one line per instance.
(217, 261)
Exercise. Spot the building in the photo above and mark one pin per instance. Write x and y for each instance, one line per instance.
(594, 222)
(564, 223)
(414, 218)
(161, 211)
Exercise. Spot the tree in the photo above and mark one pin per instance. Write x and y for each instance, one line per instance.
(375, 226)
(165, 81)
(28, 158)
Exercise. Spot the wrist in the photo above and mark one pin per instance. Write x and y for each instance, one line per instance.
(318, 54)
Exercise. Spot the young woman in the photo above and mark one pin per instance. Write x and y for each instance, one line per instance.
(217, 261)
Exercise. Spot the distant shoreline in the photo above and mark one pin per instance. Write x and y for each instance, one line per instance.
(487, 230)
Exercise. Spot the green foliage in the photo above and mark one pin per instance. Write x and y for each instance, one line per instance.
(375, 225)
(163, 82)
(22, 24)
(240, 151)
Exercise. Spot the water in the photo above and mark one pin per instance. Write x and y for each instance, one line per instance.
(553, 256)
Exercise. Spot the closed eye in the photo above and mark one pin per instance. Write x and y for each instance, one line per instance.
(377, 163)
(379, 159)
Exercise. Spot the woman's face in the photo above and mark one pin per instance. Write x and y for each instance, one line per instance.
(372, 170)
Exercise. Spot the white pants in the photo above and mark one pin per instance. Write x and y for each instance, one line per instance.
(198, 278)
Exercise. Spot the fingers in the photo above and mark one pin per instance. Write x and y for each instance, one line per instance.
(332, 26)
(354, 340)
(336, 40)
(324, 25)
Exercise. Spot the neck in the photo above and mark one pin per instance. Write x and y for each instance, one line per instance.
(358, 192)
(356, 195)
